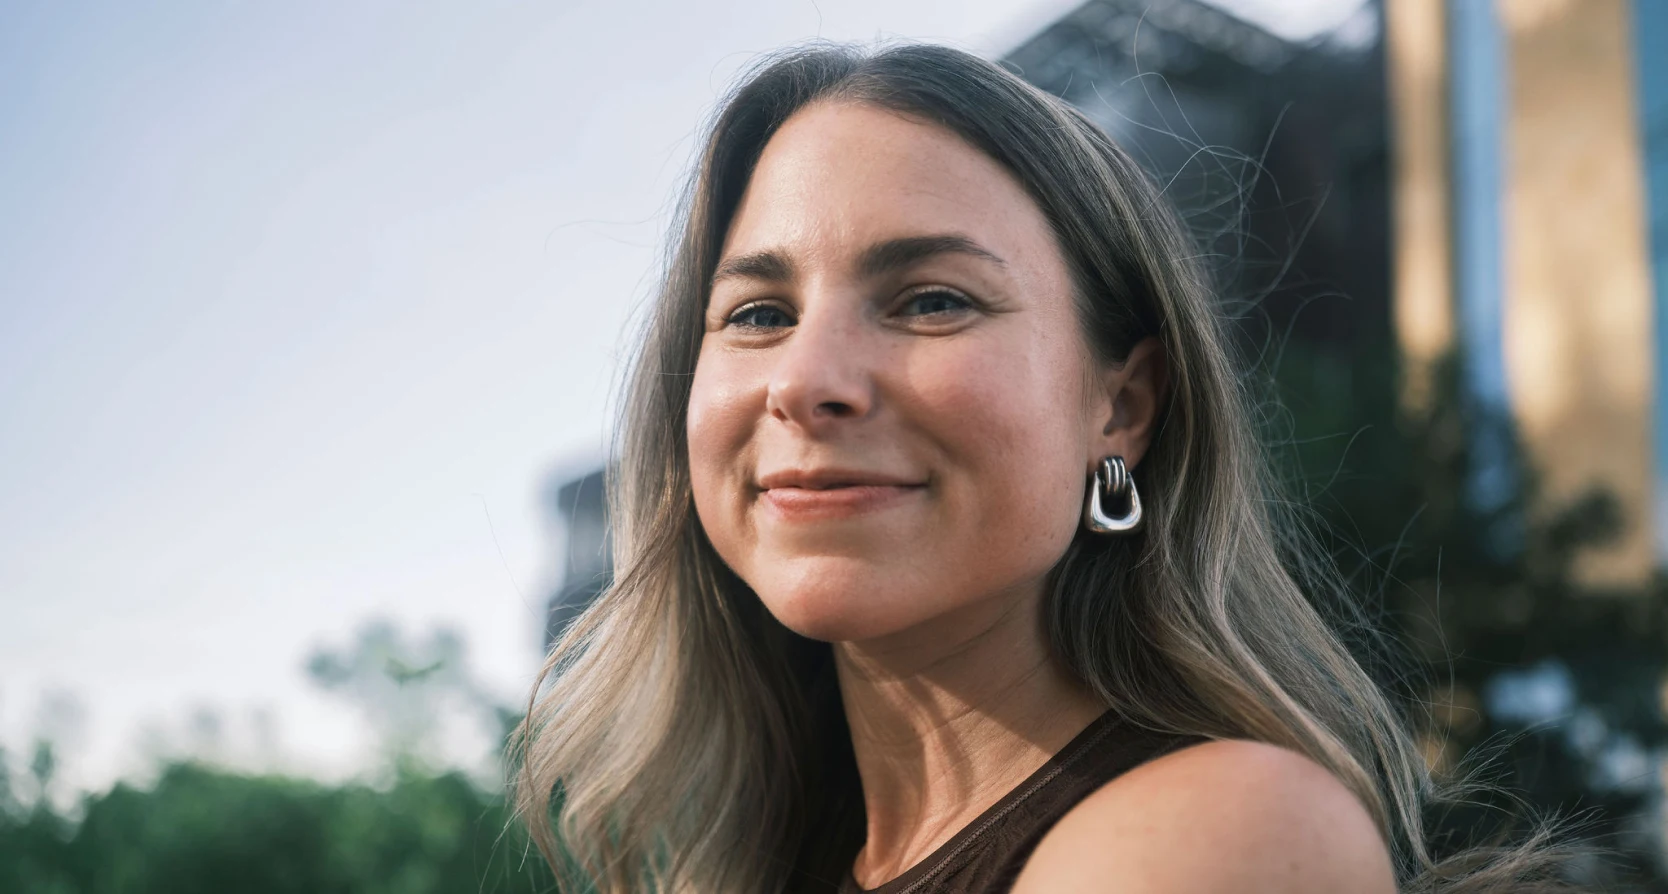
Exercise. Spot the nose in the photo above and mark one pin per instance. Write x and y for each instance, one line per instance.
(823, 373)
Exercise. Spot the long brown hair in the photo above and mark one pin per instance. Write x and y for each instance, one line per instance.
(687, 742)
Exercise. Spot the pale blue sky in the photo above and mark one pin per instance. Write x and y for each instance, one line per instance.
(293, 294)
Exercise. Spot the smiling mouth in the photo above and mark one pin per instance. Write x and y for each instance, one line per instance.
(836, 501)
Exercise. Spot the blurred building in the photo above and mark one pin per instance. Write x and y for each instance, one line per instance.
(1275, 151)
(1526, 180)
(1526, 132)
(1650, 24)
(579, 506)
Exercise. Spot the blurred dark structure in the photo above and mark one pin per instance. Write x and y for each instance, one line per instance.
(1276, 152)
(580, 506)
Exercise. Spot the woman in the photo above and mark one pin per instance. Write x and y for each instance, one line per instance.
(946, 558)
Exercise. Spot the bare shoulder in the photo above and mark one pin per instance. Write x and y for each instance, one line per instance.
(1220, 816)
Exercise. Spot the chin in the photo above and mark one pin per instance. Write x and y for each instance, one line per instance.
(831, 627)
(836, 604)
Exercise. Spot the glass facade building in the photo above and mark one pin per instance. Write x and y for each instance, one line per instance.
(1552, 185)
(1650, 29)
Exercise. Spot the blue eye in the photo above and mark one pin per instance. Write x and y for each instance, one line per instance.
(760, 316)
(936, 301)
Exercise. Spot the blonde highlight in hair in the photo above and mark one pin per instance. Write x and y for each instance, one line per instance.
(687, 742)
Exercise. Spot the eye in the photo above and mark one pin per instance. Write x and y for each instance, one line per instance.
(935, 301)
(759, 316)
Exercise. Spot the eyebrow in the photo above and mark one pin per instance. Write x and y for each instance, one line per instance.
(896, 254)
(880, 259)
(767, 265)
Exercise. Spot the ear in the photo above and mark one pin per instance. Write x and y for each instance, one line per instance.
(1127, 403)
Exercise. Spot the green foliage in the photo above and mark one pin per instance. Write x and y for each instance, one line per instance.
(204, 830)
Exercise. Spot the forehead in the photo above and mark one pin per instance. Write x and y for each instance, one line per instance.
(839, 176)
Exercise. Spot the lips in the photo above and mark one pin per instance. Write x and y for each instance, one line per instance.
(803, 495)
(829, 478)
(805, 504)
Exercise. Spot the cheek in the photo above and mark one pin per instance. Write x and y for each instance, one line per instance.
(718, 430)
(1011, 424)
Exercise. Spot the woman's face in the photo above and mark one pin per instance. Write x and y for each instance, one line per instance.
(894, 413)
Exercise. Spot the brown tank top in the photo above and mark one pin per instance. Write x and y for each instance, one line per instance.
(987, 854)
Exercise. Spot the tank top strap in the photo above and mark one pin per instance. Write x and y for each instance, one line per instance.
(987, 854)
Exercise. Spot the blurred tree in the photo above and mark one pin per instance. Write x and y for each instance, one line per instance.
(404, 687)
(1503, 661)
(206, 829)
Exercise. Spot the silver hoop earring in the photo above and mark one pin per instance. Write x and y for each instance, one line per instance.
(1112, 485)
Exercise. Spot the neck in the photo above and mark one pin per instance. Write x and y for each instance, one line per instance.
(946, 718)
